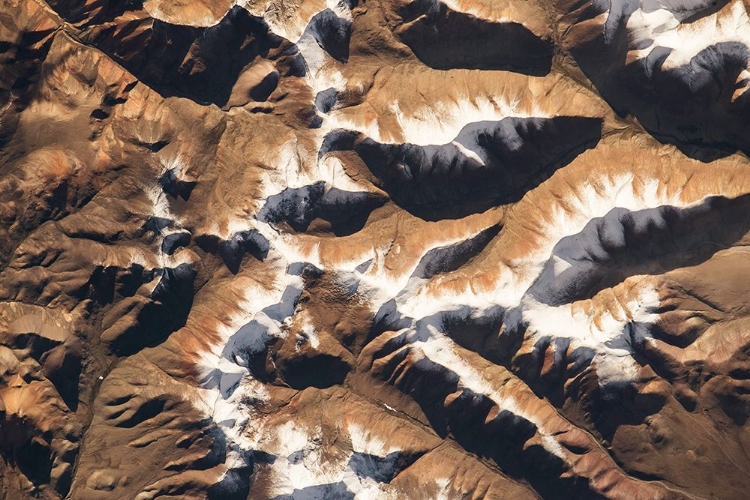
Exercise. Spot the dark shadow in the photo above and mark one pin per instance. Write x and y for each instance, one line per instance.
(380, 469)
(156, 224)
(621, 244)
(66, 375)
(326, 99)
(235, 485)
(60, 362)
(313, 369)
(76, 11)
(101, 285)
(202, 64)
(483, 334)
(173, 241)
(331, 33)
(34, 460)
(451, 257)
(99, 114)
(467, 417)
(251, 344)
(606, 252)
(170, 182)
(709, 9)
(343, 212)
(445, 39)
(332, 491)
(233, 250)
(146, 411)
(265, 88)
(691, 106)
(166, 312)
(487, 164)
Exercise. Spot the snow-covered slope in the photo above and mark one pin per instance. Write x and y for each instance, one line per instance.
(387, 249)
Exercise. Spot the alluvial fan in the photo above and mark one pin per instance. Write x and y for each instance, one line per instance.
(374, 249)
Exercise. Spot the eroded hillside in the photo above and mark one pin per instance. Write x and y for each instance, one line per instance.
(374, 249)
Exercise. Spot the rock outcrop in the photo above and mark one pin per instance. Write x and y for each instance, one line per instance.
(378, 249)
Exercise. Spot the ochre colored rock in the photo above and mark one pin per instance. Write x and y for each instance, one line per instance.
(374, 249)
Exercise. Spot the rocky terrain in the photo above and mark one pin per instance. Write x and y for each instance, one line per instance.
(374, 249)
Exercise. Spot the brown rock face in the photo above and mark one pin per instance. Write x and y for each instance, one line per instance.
(374, 249)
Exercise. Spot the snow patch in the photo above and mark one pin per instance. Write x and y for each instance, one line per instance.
(440, 349)
(363, 441)
(303, 470)
(439, 123)
(658, 29)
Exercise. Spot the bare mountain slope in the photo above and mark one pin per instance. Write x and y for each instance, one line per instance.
(374, 249)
